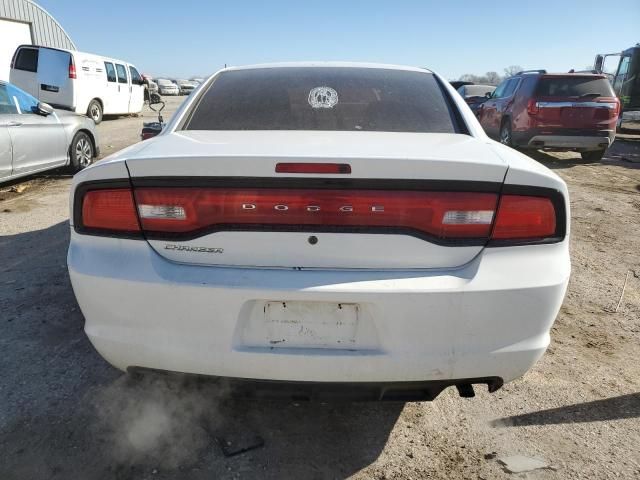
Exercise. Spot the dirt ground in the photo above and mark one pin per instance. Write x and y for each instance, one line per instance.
(65, 413)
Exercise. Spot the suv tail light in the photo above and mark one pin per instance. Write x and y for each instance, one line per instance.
(532, 106)
(613, 105)
(72, 68)
(443, 217)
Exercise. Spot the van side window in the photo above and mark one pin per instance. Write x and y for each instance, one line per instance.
(111, 72)
(27, 59)
(122, 73)
(136, 79)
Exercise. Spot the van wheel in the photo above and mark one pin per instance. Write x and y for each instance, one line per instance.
(593, 155)
(505, 134)
(95, 111)
(81, 151)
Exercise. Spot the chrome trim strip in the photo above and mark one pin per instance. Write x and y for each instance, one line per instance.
(610, 105)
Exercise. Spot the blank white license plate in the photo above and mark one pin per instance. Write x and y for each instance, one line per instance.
(311, 324)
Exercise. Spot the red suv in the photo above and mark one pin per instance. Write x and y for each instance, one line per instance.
(539, 110)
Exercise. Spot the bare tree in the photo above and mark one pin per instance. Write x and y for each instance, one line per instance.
(468, 77)
(512, 70)
(493, 78)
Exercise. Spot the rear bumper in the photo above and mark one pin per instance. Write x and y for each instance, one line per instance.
(490, 318)
(330, 391)
(570, 140)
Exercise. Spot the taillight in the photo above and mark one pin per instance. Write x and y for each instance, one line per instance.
(109, 210)
(612, 106)
(524, 217)
(532, 107)
(72, 68)
(445, 215)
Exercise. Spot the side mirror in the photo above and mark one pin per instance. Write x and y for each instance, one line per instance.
(155, 99)
(150, 130)
(43, 109)
(599, 63)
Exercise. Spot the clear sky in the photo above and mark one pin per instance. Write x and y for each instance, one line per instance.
(185, 38)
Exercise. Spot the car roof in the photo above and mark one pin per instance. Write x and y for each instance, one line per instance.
(559, 74)
(328, 65)
(80, 53)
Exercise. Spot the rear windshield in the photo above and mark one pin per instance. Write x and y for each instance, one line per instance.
(324, 98)
(574, 87)
(27, 59)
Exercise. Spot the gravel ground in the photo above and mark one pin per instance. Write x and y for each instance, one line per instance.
(65, 413)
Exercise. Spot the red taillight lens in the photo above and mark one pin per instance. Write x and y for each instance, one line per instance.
(524, 217)
(437, 214)
(313, 168)
(72, 68)
(532, 107)
(110, 210)
(451, 217)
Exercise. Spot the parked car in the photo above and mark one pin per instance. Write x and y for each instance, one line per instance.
(153, 87)
(34, 137)
(459, 83)
(198, 80)
(77, 81)
(560, 111)
(167, 87)
(379, 245)
(475, 95)
(186, 86)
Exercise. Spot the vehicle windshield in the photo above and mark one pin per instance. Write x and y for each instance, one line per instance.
(324, 98)
(574, 87)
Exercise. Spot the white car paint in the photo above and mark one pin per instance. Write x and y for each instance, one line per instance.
(118, 95)
(417, 311)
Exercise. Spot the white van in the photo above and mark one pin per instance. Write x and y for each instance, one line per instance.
(77, 81)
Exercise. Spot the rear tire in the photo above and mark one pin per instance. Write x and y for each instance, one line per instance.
(81, 151)
(592, 156)
(94, 111)
(506, 138)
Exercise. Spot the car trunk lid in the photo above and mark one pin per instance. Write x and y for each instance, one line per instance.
(388, 212)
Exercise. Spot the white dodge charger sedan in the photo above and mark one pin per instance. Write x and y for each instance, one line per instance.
(325, 228)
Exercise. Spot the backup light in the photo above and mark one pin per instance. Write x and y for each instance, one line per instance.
(174, 212)
(468, 217)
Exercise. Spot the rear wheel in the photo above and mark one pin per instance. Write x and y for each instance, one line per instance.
(94, 111)
(505, 134)
(81, 151)
(592, 156)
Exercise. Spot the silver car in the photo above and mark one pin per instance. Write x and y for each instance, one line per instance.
(167, 87)
(186, 86)
(34, 137)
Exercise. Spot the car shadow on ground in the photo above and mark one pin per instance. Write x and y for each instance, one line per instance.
(65, 413)
(623, 153)
(614, 408)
